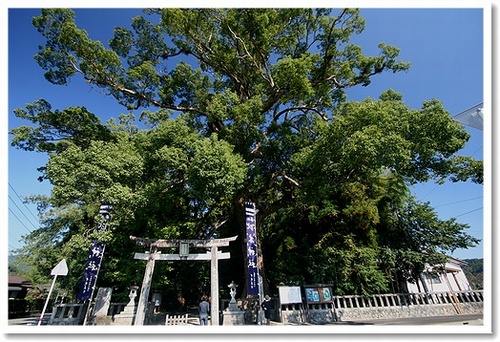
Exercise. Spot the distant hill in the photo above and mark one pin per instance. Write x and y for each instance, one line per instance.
(474, 272)
(15, 267)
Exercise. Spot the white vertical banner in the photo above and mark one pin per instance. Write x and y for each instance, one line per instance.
(251, 235)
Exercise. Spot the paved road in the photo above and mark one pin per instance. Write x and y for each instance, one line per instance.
(32, 320)
(435, 320)
(439, 320)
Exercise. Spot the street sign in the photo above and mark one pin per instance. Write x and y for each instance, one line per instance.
(61, 269)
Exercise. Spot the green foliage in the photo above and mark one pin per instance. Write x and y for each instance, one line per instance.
(239, 105)
(82, 175)
(215, 173)
(474, 271)
(355, 202)
(54, 130)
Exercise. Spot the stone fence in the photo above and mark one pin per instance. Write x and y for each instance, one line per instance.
(67, 314)
(74, 314)
(408, 305)
(383, 306)
(340, 308)
(250, 308)
(116, 308)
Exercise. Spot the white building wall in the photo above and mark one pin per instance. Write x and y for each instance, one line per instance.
(458, 281)
(432, 282)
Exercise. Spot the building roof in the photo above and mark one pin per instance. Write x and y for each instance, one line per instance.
(17, 281)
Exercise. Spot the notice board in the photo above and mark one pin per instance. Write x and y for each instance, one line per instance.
(290, 294)
(318, 294)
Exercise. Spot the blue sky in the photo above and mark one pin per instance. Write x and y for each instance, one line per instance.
(445, 47)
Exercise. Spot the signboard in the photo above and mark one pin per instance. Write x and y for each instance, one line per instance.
(183, 249)
(103, 301)
(60, 269)
(320, 294)
(251, 235)
(290, 294)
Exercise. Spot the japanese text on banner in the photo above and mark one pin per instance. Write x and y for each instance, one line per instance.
(91, 270)
(251, 235)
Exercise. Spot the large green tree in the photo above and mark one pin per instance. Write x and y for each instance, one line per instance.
(242, 105)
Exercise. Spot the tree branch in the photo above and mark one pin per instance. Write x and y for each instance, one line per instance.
(303, 109)
(293, 181)
(106, 82)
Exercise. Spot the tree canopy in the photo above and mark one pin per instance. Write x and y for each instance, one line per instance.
(224, 106)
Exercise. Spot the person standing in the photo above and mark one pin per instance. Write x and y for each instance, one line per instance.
(267, 306)
(204, 310)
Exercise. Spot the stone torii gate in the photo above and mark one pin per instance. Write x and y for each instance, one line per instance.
(183, 245)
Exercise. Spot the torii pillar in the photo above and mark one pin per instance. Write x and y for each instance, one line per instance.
(183, 245)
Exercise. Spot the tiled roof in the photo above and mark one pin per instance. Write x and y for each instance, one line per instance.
(19, 281)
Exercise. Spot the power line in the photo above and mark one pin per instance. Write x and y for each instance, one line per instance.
(434, 188)
(476, 151)
(465, 200)
(22, 211)
(34, 226)
(22, 201)
(12, 237)
(13, 213)
(12, 248)
(469, 212)
(437, 185)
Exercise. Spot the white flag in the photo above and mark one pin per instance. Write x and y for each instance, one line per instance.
(471, 117)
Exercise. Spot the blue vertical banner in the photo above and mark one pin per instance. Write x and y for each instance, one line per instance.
(91, 270)
(96, 252)
(251, 235)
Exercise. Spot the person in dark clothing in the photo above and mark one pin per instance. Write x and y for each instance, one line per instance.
(267, 306)
(204, 310)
